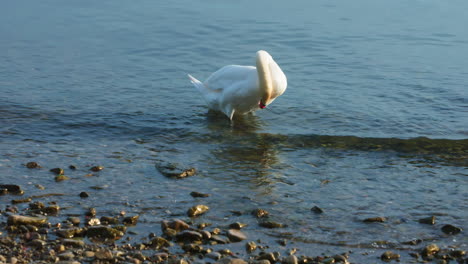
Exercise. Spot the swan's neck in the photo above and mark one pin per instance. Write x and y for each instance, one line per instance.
(264, 77)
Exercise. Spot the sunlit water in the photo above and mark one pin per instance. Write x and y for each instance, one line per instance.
(104, 83)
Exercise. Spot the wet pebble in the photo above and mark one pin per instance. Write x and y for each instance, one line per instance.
(130, 220)
(61, 177)
(33, 165)
(103, 254)
(197, 210)
(219, 239)
(189, 236)
(389, 255)
(378, 219)
(292, 259)
(75, 243)
(317, 210)
(67, 255)
(430, 250)
(250, 246)
(270, 256)
(177, 225)
(26, 220)
(11, 188)
(237, 225)
(103, 232)
(451, 230)
(84, 195)
(199, 195)
(235, 235)
(428, 220)
(97, 168)
(259, 213)
(271, 224)
(57, 171)
(231, 261)
(214, 255)
(159, 242)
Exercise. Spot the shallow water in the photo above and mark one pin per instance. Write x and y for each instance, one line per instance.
(90, 83)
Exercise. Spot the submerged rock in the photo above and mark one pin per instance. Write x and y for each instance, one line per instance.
(177, 225)
(430, 250)
(57, 171)
(389, 255)
(104, 232)
(12, 188)
(317, 210)
(378, 219)
(451, 230)
(428, 220)
(259, 213)
(197, 210)
(199, 195)
(189, 236)
(33, 165)
(271, 224)
(97, 168)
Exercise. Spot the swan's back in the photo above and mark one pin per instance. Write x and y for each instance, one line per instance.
(231, 76)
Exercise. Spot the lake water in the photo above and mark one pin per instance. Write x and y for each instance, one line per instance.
(104, 83)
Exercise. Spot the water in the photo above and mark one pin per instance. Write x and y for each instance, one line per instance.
(87, 83)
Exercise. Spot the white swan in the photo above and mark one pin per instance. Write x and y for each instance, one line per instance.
(236, 89)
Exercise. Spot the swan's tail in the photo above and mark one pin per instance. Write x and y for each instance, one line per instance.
(199, 85)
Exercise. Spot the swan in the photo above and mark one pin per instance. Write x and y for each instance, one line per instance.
(236, 89)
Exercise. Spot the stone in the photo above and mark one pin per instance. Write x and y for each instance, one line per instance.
(250, 246)
(451, 230)
(197, 210)
(378, 219)
(189, 236)
(292, 259)
(389, 255)
(236, 235)
(25, 220)
(428, 220)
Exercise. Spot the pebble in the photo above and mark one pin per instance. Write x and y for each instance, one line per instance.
(220, 239)
(67, 255)
(189, 236)
(57, 171)
(292, 259)
(259, 213)
(451, 230)
(428, 220)
(103, 254)
(214, 255)
(250, 246)
(271, 224)
(231, 261)
(26, 220)
(97, 168)
(236, 235)
(378, 219)
(199, 195)
(430, 250)
(32, 165)
(84, 194)
(316, 210)
(389, 255)
(197, 210)
(61, 177)
(237, 225)
(75, 243)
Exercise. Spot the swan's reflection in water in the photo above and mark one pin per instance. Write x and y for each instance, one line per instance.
(243, 153)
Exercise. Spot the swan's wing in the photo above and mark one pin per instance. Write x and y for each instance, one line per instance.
(229, 76)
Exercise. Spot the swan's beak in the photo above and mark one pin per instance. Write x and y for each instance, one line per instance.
(261, 105)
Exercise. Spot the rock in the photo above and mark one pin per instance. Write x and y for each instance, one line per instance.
(57, 171)
(177, 225)
(231, 261)
(84, 195)
(18, 201)
(74, 220)
(108, 220)
(375, 220)
(70, 232)
(91, 212)
(159, 242)
(272, 257)
(14, 220)
(412, 242)
(199, 195)
(160, 257)
(316, 210)
(237, 225)
(328, 261)
(220, 239)
(67, 255)
(89, 254)
(451, 230)
(75, 243)
(290, 260)
(93, 221)
(104, 232)
(12, 188)
(189, 236)
(428, 220)
(37, 244)
(197, 210)
(192, 248)
(250, 246)
(214, 255)
(33, 165)
(72, 167)
(236, 235)
(430, 250)
(259, 213)
(61, 177)
(271, 224)
(130, 220)
(389, 255)
(103, 254)
(97, 168)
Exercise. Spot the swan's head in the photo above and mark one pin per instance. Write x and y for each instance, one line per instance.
(264, 76)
